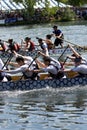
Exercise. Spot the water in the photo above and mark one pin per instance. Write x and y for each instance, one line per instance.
(46, 109)
(61, 109)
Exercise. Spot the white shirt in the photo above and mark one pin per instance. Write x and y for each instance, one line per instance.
(45, 48)
(1, 64)
(21, 69)
(50, 69)
(84, 61)
(81, 69)
(53, 67)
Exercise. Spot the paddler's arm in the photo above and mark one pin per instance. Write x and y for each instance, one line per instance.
(40, 64)
(34, 71)
(13, 64)
(25, 57)
(59, 36)
(41, 53)
(74, 51)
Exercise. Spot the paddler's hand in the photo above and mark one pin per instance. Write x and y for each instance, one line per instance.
(39, 52)
(29, 70)
(1, 70)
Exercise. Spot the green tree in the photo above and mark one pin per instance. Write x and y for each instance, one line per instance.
(73, 2)
(29, 6)
(77, 2)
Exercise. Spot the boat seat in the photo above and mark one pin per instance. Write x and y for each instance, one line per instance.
(16, 77)
(43, 76)
(70, 74)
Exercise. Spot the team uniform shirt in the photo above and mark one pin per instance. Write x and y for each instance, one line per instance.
(44, 48)
(50, 69)
(29, 60)
(84, 61)
(57, 32)
(80, 69)
(53, 67)
(21, 69)
(44, 45)
(1, 64)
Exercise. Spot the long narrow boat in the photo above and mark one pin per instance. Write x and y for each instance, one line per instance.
(56, 51)
(24, 85)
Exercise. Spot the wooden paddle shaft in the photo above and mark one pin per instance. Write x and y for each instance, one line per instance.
(85, 48)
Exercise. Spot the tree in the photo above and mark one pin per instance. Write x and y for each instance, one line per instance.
(77, 2)
(73, 2)
(29, 6)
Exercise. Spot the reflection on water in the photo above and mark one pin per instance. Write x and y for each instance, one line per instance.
(48, 109)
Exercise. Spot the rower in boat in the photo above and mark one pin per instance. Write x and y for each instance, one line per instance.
(80, 64)
(49, 41)
(59, 36)
(29, 45)
(21, 68)
(13, 46)
(79, 67)
(43, 46)
(2, 77)
(76, 55)
(27, 59)
(50, 66)
(3, 45)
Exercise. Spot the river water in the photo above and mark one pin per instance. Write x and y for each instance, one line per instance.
(46, 109)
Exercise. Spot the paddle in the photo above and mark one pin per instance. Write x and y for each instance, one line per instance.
(63, 53)
(65, 61)
(85, 48)
(8, 60)
(29, 65)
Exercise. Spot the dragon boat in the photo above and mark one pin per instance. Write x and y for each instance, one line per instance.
(26, 85)
(53, 52)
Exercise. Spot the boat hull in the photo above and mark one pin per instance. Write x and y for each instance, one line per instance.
(53, 52)
(24, 85)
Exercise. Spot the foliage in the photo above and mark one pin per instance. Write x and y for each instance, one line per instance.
(67, 15)
(77, 2)
(73, 2)
(29, 6)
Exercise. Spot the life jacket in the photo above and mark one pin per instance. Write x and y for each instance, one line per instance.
(14, 46)
(60, 73)
(34, 75)
(3, 45)
(32, 46)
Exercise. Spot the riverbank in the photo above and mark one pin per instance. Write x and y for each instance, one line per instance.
(65, 15)
(22, 23)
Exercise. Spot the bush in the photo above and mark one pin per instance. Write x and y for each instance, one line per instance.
(67, 15)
